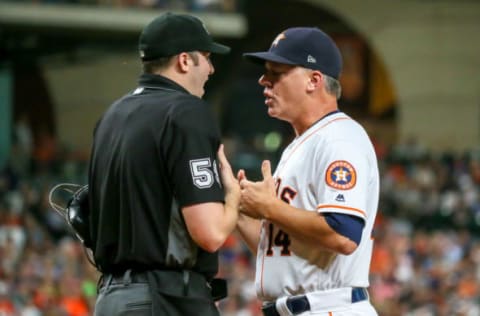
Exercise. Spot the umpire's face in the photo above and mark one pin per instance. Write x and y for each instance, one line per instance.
(201, 68)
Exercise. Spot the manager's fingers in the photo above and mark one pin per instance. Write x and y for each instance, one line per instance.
(266, 170)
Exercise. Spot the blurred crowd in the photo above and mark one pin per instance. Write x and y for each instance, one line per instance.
(213, 6)
(426, 259)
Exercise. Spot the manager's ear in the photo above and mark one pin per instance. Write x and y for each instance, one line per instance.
(315, 80)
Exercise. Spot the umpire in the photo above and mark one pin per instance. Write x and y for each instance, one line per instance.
(159, 210)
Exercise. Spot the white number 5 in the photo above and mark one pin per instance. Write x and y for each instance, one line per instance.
(201, 173)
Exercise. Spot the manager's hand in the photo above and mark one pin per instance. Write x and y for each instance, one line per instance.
(257, 197)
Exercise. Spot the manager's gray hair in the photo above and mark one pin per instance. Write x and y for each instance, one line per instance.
(333, 86)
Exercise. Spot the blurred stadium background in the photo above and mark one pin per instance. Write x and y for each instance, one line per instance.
(411, 77)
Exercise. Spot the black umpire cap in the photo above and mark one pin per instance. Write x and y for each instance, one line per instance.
(171, 33)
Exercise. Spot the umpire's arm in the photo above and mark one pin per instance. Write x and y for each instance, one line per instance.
(211, 223)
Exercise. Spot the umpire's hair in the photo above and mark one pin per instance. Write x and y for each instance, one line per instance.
(154, 65)
(333, 86)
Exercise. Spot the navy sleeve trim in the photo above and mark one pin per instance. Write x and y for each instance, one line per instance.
(346, 225)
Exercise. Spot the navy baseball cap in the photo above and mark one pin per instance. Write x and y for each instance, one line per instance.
(170, 34)
(308, 47)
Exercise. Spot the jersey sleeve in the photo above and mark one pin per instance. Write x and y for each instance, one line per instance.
(342, 170)
(193, 141)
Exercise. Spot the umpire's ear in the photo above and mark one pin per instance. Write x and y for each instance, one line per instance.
(182, 62)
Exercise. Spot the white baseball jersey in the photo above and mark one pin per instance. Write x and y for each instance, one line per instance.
(331, 167)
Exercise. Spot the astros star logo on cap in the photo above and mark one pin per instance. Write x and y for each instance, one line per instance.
(278, 38)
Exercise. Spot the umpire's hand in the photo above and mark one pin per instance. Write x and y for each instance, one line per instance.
(230, 183)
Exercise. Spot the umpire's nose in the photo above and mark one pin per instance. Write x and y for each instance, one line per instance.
(212, 69)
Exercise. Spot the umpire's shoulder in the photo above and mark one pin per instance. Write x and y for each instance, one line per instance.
(189, 100)
(187, 104)
(192, 111)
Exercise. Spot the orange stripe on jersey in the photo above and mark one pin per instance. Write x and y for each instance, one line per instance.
(342, 207)
(312, 133)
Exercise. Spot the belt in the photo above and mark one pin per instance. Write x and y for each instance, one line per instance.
(126, 278)
(134, 278)
(300, 304)
(218, 287)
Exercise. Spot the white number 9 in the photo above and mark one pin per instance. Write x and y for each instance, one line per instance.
(201, 174)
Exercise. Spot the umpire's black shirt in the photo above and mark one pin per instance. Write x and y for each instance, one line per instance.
(154, 151)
